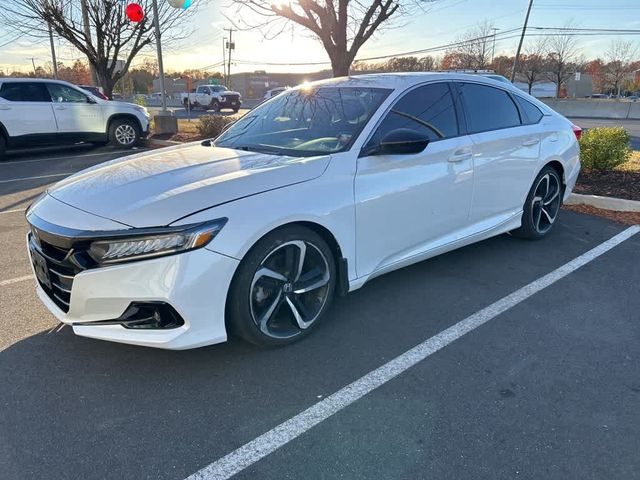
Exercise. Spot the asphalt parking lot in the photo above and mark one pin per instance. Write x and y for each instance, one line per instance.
(544, 384)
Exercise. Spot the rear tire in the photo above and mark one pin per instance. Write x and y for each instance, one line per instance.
(124, 133)
(542, 205)
(282, 288)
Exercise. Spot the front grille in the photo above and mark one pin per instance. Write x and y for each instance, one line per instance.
(60, 267)
(230, 97)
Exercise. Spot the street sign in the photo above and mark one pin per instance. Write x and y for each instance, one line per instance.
(214, 81)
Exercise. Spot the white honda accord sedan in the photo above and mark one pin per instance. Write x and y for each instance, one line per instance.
(309, 195)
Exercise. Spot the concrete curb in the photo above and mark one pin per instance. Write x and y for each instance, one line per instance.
(605, 203)
(163, 143)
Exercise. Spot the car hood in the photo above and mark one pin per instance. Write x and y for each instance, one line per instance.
(159, 187)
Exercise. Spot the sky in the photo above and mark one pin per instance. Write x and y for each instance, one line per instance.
(440, 23)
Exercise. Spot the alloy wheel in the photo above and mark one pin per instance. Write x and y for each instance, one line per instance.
(546, 202)
(125, 134)
(289, 289)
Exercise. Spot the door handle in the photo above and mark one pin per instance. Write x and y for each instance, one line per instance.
(460, 155)
(530, 142)
(5, 107)
(61, 108)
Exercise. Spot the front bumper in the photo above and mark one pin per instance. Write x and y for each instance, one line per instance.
(194, 283)
(231, 103)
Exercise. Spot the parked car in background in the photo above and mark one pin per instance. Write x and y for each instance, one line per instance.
(52, 112)
(212, 97)
(95, 91)
(312, 193)
(273, 92)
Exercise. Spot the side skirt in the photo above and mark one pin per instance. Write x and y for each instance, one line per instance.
(513, 222)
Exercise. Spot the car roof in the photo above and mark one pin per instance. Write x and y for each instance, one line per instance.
(406, 79)
(20, 79)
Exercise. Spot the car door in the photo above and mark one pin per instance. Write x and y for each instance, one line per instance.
(505, 152)
(26, 109)
(203, 95)
(408, 204)
(77, 114)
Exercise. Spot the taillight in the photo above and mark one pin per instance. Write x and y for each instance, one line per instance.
(577, 131)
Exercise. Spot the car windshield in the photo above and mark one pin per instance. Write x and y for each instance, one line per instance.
(306, 121)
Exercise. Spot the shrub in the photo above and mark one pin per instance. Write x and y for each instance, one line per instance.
(140, 100)
(604, 148)
(211, 126)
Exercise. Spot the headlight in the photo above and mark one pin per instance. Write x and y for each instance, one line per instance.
(154, 242)
(142, 109)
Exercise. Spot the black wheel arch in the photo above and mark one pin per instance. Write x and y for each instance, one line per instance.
(123, 116)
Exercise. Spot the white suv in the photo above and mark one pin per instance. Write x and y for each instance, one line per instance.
(46, 112)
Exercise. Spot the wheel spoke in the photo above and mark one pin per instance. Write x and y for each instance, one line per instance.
(546, 214)
(546, 179)
(310, 281)
(537, 217)
(268, 315)
(553, 197)
(295, 310)
(267, 272)
(295, 254)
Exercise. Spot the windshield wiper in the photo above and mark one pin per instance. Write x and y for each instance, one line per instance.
(257, 148)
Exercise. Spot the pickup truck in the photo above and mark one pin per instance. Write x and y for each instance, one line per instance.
(212, 97)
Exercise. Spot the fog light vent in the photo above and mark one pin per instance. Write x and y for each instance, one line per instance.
(151, 315)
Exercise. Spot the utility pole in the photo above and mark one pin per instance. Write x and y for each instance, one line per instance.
(33, 62)
(493, 51)
(156, 22)
(87, 36)
(224, 61)
(524, 29)
(53, 54)
(230, 46)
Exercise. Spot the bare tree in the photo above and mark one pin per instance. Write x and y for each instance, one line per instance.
(114, 42)
(532, 65)
(475, 47)
(562, 58)
(618, 66)
(342, 26)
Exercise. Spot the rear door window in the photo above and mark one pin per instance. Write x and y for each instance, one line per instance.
(24, 92)
(487, 108)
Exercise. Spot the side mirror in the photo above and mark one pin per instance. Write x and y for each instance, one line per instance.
(401, 141)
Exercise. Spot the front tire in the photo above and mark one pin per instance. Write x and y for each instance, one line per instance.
(124, 133)
(214, 105)
(282, 288)
(542, 205)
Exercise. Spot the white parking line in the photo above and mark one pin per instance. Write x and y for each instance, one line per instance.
(70, 156)
(287, 431)
(37, 177)
(13, 211)
(15, 280)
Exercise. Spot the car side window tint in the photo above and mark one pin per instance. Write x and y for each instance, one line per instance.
(487, 108)
(428, 110)
(64, 94)
(24, 92)
(531, 113)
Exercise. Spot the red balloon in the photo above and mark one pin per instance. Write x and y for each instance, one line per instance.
(134, 12)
